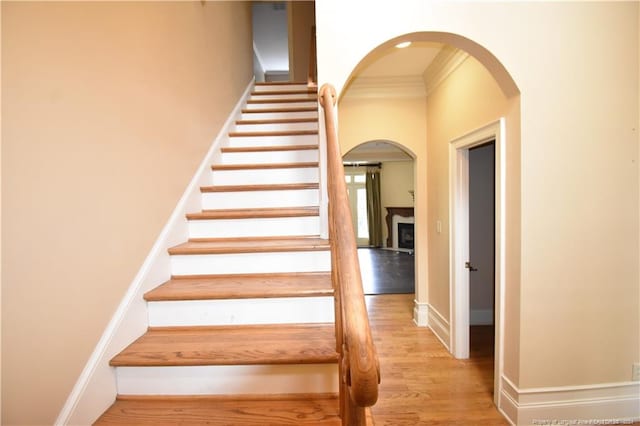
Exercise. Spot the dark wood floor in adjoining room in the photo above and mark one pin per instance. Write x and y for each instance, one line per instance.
(386, 271)
(422, 384)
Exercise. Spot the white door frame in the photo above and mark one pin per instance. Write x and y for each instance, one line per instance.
(459, 240)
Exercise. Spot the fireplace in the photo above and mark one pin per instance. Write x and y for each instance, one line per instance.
(405, 236)
(400, 227)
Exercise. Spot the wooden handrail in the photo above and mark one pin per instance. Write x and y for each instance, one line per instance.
(359, 366)
(313, 60)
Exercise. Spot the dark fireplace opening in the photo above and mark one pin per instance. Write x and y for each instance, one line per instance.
(405, 236)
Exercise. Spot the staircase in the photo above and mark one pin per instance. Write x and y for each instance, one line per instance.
(243, 332)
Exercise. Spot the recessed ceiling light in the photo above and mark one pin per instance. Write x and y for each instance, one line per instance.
(403, 44)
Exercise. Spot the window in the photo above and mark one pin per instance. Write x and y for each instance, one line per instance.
(355, 179)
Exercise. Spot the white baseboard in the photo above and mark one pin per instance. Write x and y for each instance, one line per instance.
(421, 314)
(440, 326)
(590, 404)
(95, 389)
(425, 315)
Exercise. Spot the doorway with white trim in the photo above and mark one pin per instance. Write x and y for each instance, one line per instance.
(477, 239)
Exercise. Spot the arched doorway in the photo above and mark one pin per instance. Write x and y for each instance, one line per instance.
(440, 283)
(380, 182)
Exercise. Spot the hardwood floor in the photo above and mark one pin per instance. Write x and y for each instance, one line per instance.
(317, 410)
(232, 345)
(422, 384)
(386, 271)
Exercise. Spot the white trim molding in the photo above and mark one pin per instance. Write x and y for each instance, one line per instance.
(95, 389)
(445, 62)
(459, 231)
(411, 86)
(425, 315)
(421, 314)
(602, 403)
(440, 327)
(459, 241)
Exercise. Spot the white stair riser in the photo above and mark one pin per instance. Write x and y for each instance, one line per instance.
(270, 127)
(279, 87)
(250, 263)
(309, 96)
(260, 199)
(277, 115)
(290, 310)
(265, 176)
(228, 379)
(260, 227)
(270, 105)
(247, 141)
(269, 157)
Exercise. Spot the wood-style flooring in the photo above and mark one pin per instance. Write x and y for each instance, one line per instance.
(386, 271)
(422, 384)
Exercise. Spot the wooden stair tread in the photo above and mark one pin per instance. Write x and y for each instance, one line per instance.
(307, 91)
(278, 110)
(307, 409)
(278, 121)
(254, 213)
(232, 345)
(267, 187)
(302, 165)
(250, 245)
(274, 133)
(243, 286)
(228, 149)
(280, 83)
(280, 101)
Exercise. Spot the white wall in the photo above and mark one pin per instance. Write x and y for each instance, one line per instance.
(572, 171)
(108, 108)
(270, 35)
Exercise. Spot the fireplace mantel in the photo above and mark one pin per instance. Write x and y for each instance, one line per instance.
(392, 211)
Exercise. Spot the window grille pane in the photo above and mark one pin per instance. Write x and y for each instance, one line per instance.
(363, 227)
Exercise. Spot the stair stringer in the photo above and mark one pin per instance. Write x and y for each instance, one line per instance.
(95, 389)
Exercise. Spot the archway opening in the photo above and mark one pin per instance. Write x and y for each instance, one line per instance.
(429, 95)
(380, 183)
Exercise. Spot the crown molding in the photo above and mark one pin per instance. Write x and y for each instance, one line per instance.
(413, 86)
(387, 87)
(445, 62)
(376, 156)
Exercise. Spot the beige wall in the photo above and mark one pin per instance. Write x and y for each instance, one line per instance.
(0, 219)
(366, 119)
(301, 17)
(468, 99)
(396, 180)
(108, 110)
(572, 181)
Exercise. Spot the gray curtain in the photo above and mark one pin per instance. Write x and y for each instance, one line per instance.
(374, 211)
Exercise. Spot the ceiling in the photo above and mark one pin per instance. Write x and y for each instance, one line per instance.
(392, 66)
(394, 62)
